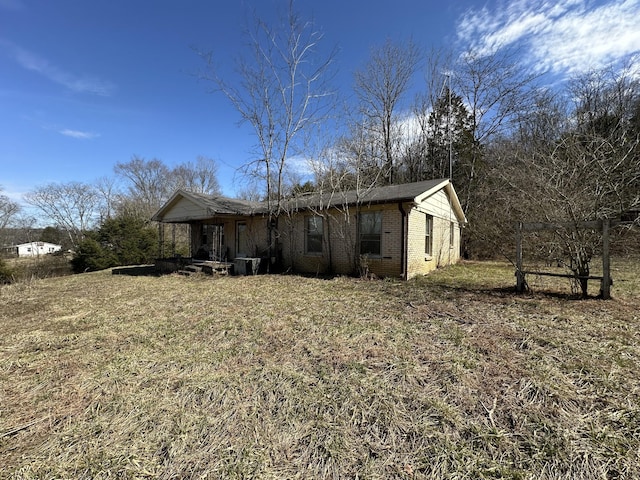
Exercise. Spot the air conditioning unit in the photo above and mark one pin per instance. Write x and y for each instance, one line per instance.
(246, 266)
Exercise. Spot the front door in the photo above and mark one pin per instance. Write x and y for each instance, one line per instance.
(242, 241)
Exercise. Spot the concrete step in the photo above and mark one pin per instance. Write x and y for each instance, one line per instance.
(188, 273)
(193, 268)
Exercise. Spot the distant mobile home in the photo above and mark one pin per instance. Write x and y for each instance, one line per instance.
(34, 249)
(391, 231)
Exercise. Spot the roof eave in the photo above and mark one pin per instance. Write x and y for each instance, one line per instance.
(455, 201)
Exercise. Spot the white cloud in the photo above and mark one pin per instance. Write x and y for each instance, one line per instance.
(300, 166)
(76, 83)
(565, 36)
(13, 192)
(78, 134)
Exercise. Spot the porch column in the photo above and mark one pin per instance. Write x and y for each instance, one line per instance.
(160, 240)
(173, 239)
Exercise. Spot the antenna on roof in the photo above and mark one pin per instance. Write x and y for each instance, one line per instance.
(448, 74)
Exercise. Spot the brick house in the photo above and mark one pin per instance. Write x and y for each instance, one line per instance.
(398, 230)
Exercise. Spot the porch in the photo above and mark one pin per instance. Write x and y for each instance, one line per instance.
(190, 266)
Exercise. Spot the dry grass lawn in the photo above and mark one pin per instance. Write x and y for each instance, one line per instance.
(447, 376)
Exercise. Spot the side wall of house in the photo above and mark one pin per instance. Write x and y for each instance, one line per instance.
(182, 209)
(444, 237)
(35, 249)
(339, 245)
(256, 230)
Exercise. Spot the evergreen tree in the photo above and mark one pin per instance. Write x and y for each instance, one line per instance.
(124, 240)
(131, 240)
(6, 274)
(449, 134)
(90, 255)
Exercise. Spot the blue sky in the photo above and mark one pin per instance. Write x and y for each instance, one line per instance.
(85, 84)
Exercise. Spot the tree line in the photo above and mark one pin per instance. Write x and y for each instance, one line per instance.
(106, 222)
(515, 148)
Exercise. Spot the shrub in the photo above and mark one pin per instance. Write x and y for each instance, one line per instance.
(6, 274)
(124, 240)
(90, 255)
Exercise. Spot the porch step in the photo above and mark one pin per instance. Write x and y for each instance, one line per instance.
(189, 270)
(216, 268)
(193, 268)
(208, 268)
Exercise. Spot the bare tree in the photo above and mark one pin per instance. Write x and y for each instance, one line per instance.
(148, 185)
(380, 87)
(72, 206)
(495, 90)
(567, 166)
(344, 175)
(251, 190)
(282, 94)
(200, 176)
(8, 210)
(107, 190)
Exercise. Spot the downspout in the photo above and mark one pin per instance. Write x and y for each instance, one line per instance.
(403, 246)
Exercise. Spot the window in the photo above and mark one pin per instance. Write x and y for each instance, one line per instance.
(314, 229)
(452, 233)
(370, 233)
(428, 235)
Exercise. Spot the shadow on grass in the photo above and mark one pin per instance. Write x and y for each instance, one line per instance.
(510, 291)
(136, 271)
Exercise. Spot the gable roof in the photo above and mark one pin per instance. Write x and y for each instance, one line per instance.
(389, 193)
(207, 206)
(217, 204)
(407, 192)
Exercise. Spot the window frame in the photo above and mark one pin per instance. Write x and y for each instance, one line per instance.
(244, 229)
(312, 238)
(373, 238)
(428, 236)
(452, 234)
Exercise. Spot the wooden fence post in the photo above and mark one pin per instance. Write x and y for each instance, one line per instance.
(606, 266)
(520, 283)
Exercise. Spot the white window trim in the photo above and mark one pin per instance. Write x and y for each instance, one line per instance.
(428, 219)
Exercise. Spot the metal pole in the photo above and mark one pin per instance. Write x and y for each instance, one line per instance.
(450, 136)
